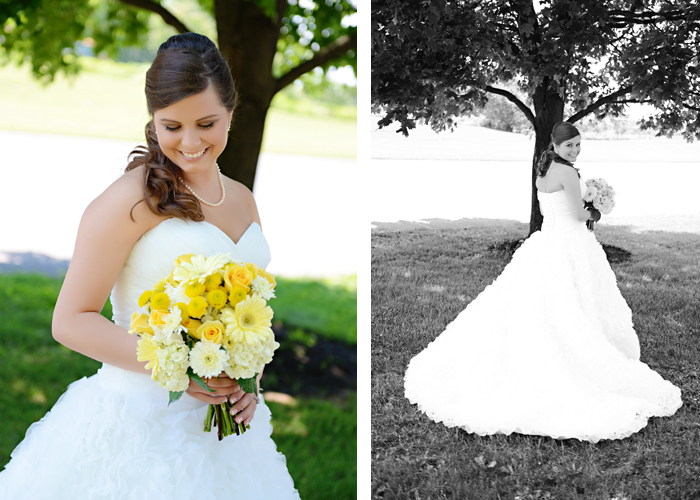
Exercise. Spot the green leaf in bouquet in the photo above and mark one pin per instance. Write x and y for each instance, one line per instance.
(249, 385)
(174, 396)
(198, 380)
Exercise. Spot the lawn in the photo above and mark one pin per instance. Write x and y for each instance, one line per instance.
(317, 435)
(107, 100)
(424, 275)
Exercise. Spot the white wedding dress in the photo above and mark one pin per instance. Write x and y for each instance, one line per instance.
(113, 435)
(547, 349)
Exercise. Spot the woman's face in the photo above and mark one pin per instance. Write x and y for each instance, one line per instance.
(193, 132)
(569, 149)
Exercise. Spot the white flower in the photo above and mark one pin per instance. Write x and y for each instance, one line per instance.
(177, 294)
(199, 268)
(208, 359)
(262, 288)
(169, 332)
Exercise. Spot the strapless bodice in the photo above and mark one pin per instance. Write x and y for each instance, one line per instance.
(557, 213)
(153, 257)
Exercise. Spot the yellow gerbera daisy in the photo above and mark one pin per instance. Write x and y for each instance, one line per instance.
(148, 351)
(250, 322)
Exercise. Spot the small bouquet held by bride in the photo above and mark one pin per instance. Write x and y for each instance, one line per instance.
(209, 315)
(599, 195)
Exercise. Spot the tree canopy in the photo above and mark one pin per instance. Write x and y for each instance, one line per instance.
(267, 43)
(435, 60)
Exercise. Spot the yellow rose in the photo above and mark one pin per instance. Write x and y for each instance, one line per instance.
(145, 297)
(192, 325)
(156, 318)
(212, 330)
(252, 267)
(237, 294)
(139, 324)
(237, 275)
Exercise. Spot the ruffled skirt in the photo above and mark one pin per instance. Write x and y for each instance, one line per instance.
(547, 349)
(113, 436)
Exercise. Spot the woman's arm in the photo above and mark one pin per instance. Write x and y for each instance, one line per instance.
(572, 187)
(105, 238)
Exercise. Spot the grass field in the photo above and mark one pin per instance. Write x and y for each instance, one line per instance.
(107, 100)
(413, 457)
(318, 436)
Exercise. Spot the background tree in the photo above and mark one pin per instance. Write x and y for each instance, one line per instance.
(301, 34)
(436, 60)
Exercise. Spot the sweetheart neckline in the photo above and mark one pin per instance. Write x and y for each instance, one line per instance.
(235, 243)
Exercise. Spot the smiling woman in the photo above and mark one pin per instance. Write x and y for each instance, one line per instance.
(112, 434)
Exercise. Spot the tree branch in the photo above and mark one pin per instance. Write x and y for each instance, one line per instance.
(281, 10)
(167, 16)
(512, 98)
(331, 51)
(609, 99)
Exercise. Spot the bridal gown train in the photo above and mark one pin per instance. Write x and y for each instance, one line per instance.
(113, 435)
(547, 349)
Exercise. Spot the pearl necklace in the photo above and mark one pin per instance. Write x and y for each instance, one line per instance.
(223, 190)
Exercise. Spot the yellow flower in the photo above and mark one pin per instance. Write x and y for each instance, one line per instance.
(145, 297)
(192, 325)
(139, 323)
(171, 280)
(237, 275)
(160, 301)
(195, 289)
(160, 287)
(250, 322)
(212, 281)
(217, 298)
(212, 331)
(252, 267)
(184, 258)
(183, 310)
(148, 351)
(157, 318)
(268, 277)
(238, 293)
(197, 307)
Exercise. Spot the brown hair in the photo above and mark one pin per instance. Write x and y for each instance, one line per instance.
(562, 131)
(185, 65)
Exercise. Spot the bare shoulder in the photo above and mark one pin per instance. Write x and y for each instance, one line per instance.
(562, 171)
(122, 203)
(241, 192)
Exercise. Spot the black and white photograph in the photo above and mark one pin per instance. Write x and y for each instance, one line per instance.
(535, 249)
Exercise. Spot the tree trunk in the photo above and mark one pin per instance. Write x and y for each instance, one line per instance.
(549, 110)
(248, 42)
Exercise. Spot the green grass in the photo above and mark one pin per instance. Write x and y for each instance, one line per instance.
(317, 436)
(326, 306)
(107, 100)
(423, 276)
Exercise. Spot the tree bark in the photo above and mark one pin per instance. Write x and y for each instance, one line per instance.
(248, 42)
(549, 110)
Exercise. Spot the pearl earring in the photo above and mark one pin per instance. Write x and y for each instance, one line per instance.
(229, 125)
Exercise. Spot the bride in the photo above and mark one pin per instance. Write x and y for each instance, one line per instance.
(549, 347)
(113, 435)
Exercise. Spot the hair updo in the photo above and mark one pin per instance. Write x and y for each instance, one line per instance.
(185, 65)
(562, 131)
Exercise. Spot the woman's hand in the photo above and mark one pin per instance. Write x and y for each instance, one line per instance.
(244, 407)
(223, 385)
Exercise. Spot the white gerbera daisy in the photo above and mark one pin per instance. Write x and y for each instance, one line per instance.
(262, 288)
(208, 359)
(199, 268)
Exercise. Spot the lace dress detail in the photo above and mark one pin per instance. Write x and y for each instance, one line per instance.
(547, 349)
(113, 435)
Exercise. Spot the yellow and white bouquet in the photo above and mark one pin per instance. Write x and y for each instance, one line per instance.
(598, 195)
(210, 315)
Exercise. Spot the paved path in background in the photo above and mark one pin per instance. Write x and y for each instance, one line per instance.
(307, 204)
(482, 173)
